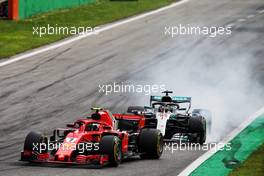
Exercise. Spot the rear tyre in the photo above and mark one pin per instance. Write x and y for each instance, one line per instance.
(198, 127)
(150, 143)
(201, 138)
(111, 146)
(207, 115)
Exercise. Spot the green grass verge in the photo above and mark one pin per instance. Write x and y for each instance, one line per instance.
(253, 166)
(17, 36)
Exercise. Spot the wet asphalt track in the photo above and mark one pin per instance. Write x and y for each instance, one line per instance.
(53, 88)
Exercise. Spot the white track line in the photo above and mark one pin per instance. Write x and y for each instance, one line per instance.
(230, 25)
(241, 20)
(211, 152)
(251, 16)
(79, 37)
(261, 11)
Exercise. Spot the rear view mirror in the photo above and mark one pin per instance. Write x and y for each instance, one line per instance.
(182, 109)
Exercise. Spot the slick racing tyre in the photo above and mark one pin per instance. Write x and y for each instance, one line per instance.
(111, 146)
(198, 129)
(207, 115)
(150, 143)
(36, 142)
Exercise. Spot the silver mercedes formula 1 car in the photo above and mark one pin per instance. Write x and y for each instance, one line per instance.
(172, 116)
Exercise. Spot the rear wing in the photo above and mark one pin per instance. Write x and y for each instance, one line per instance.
(175, 99)
(179, 99)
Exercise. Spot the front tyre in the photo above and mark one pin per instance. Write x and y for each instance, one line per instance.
(150, 143)
(111, 146)
(34, 142)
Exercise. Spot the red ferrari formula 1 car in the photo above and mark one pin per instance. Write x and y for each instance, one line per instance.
(98, 139)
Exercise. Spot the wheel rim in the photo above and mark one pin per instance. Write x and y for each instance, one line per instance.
(117, 152)
(159, 145)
